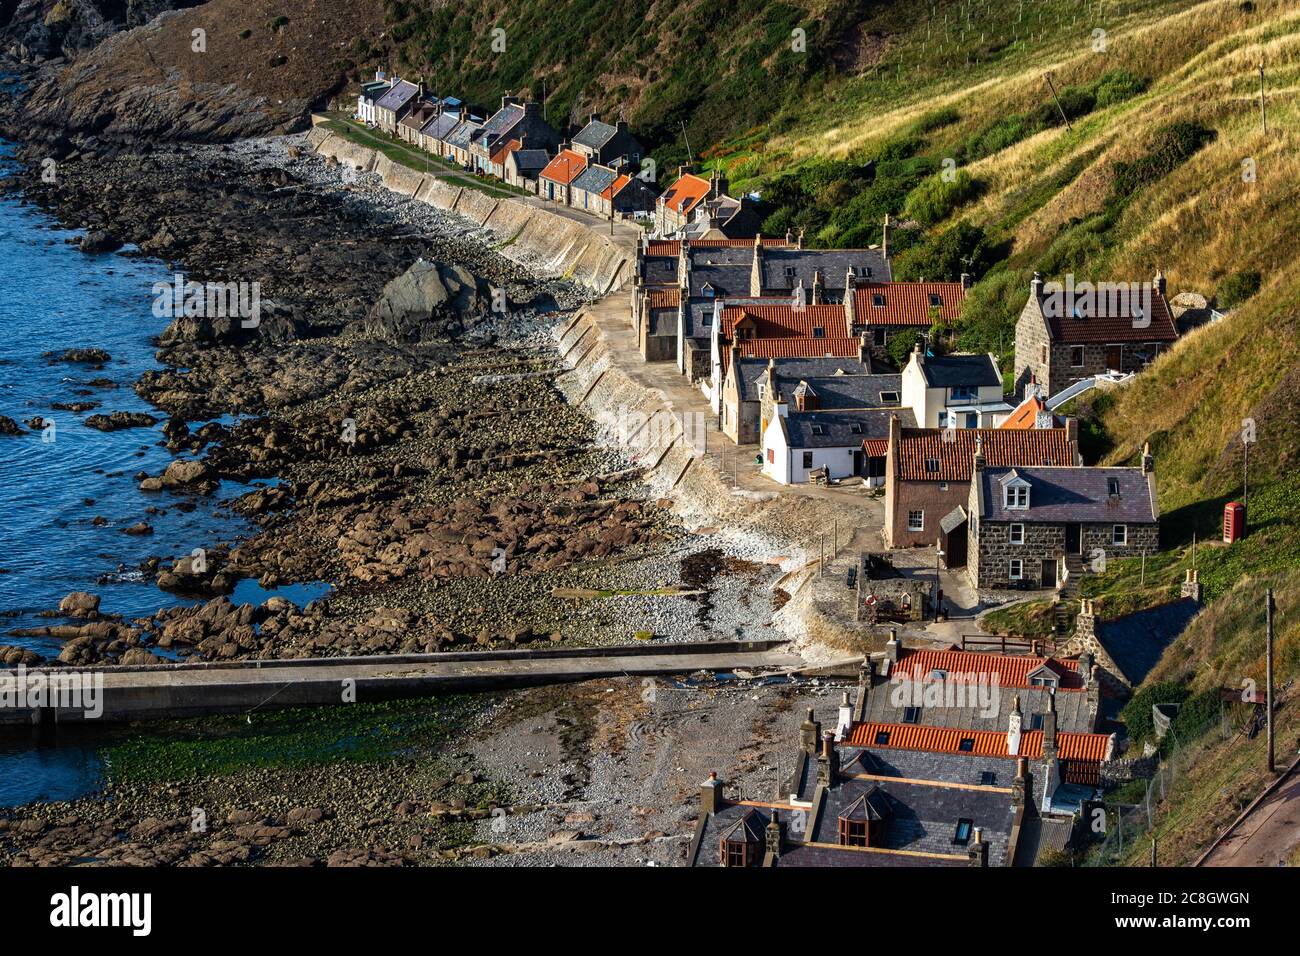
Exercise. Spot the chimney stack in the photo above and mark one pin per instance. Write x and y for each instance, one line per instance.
(810, 732)
(799, 241)
(711, 795)
(978, 460)
(1020, 786)
(1159, 283)
(1085, 668)
(1049, 727)
(1148, 459)
(866, 677)
(965, 281)
(828, 764)
(978, 852)
(884, 242)
(1013, 728)
(844, 722)
(1191, 586)
(864, 352)
(1036, 286)
(894, 646)
(774, 836)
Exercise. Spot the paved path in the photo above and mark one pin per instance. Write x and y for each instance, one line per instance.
(182, 690)
(1268, 835)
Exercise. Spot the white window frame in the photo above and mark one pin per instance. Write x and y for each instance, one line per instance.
(919, 525)
(1011, 496)
(1119, 535)
(1012, 534)
(1015, 569)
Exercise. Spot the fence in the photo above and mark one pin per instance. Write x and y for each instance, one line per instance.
(1127, 825)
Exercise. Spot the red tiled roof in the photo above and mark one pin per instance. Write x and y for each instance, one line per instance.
(565, 167)
(803, 347)
(1012, 671)
(683, 195)
(907, 303)
(665, 298)
(785, 321)
(876, 447)
(1026, 414)
(1117, 325)
(673, 247)
(505, 149)
(1002, 448)
(986, 743)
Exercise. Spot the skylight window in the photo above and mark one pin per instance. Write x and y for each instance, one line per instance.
(878, 300)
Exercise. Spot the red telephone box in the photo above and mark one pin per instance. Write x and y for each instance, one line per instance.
(1234, 521)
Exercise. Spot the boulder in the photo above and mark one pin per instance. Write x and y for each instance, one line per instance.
(80, 604)
(427, 300)
(185, 472)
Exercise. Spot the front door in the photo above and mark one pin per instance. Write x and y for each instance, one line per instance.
(1115, 357)
(1074, 539)
(1049, 572)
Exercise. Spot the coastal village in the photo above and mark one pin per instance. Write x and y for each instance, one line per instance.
(826, 376)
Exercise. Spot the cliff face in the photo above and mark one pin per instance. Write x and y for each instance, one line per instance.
(36, 30)
(226, 69)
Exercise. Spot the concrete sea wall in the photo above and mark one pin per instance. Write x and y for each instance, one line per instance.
(560, 245)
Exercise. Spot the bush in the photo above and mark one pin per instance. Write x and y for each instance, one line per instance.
(900, 347)
(1136, 715)
(935, 199)
(1172, 146)
(1117, 86)
(278, 22)
(1237, 288)
(943, 258)
(936, 119)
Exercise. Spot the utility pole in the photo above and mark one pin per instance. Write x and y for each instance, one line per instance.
(1263, 116)
(1245, 487)
(1268, 670)
(1065, 119)
(1153, 850)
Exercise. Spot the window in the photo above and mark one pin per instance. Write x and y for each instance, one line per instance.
(819, 332)
(962, 836)
(988, 778)
(735, 853)
(967, 745)
(762, 390)
(819, 429)
(853, 832)
(789, 272)
(878, 338)
(807, 459)
(1112, 487)
(911, 715)
(882, 738)
(856, 428)
(1015, 569)
(1044, 354)
(1076, 356)
(938, 673)
(916, 521)
(1017, 534)
(1035, 721)
(935, 300)
(1043, 682)
(963, 393)
(889, 398)
(1119, 535)
(1017, 496)
(932, 466)
(943, 486)
(877, 300)
(771, 456)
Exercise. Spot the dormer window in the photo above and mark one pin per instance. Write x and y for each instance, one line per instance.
(877, 300)
(1015, 493)
(932, 466)
(819, 332)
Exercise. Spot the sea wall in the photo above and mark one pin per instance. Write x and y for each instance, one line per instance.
(558, 244)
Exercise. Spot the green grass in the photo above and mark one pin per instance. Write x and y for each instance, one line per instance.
(352, 733)
(417, 159)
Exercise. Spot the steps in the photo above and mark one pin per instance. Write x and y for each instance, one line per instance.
(1068, 593)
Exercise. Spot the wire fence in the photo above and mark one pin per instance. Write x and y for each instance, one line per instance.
(1127, 825)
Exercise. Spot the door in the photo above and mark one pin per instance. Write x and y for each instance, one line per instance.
(1074, 539)
(858, 461)
(1049, 573)
(1115, 357)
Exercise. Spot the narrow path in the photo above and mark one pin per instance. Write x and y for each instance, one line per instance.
(1269, 834)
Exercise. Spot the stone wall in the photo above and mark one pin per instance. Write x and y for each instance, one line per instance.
(1046, 542)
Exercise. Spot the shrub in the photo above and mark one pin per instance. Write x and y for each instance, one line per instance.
(1136, 715)
(1116, 86)
(935, 199)
(936, 119)
(1237, 288)
(1172, 146)
(278, 22)
(943, 258)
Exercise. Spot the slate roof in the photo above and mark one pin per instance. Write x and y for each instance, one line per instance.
(906, 303)
(835, 392)
(462, 134)
(440, 126)
(398, 96)
(374, 89)
(958, 371)
(594, 179)
(790, 371)
(1136, 641)
(595, 134)
(955, 455)
(531, 160)
(1074, 494)
(837, 427)
(659, 270)
(833, 264)
(565, 167)
(1116, 325)
(725, 279)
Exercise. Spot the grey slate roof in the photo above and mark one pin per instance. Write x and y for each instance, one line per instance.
(440, 126)
(595, 134)
(461, 136)
(955, 371)
(837, 392)
(594, 178)
(530, 160)
(660, 270)
(753, 370)
(1072, 712)
(1075, 494)
(1136, 641)
(726, 279)
(833, 264)
(401, 93)
(838, 426)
